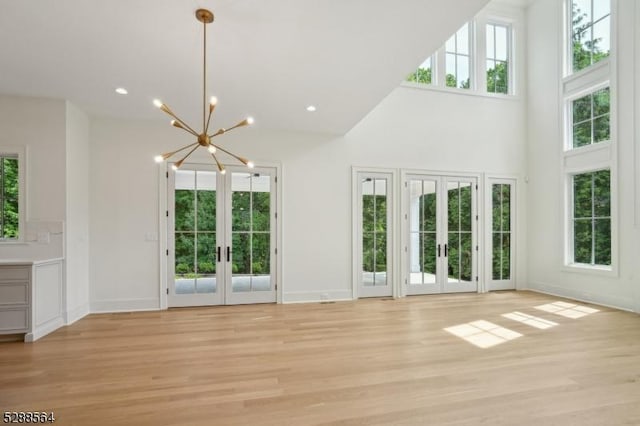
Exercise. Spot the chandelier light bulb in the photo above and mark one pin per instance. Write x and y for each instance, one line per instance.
(159, 158)
(213, 100)
(250, 164)
(223, 171)
(157, 103)
(212, 149)
(174, 167)
(250, 120)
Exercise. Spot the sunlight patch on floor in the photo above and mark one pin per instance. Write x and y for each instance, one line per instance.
(483, 334)
(536, 322)
(568, 310)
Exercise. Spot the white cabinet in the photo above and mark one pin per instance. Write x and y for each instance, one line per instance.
(31, 300)
(15, 298)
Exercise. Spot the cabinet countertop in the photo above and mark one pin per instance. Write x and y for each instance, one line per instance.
(23, 262)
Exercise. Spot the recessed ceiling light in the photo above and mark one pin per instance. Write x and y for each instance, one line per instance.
(311, 108)
(121, 91)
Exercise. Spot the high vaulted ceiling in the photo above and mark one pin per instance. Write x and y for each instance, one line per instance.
(267, 58)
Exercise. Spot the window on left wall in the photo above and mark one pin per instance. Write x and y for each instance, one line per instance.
(10, 192)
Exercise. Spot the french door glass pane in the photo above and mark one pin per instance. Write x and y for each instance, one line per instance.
(206, 277)
(205, 227)
(459, 241)
(374, 232)
(195, 232)
(185, 238)
(185, 282)
(506, 257)
(422, 235)
(251, 232)
(496, 261)
(184, 200)
(501, 216)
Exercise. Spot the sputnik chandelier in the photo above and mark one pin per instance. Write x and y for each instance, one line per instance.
(203, 138)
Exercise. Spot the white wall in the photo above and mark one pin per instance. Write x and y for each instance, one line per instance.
(77, 213)
(38, 125)
(411, 128)
(545, 194)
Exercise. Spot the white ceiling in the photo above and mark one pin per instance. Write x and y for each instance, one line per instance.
(267, 58)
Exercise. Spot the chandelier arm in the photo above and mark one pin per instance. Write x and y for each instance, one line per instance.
(240, 159)
(222, 131)
(188, 154)
(206, 127)
(168, 111)
(191, 132)
(240, 124)
(220, 166)
(172, 153)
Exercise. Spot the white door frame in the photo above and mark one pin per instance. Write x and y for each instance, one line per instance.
(163, 230)
(243, 298)
(194, 299)
(492, 284)
(392, 288)
(477, 243)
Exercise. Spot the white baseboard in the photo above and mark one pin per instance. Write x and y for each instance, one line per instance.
(76, 314)
(317, 296)
(582, 296)
(124, 305)
(44, 329)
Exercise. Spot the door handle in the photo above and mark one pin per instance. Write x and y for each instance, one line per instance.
(228, 254)
(438, 250)
(445, 251)
(218, 257)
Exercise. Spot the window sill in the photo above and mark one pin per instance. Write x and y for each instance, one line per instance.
(591, 69)
(581, 268)
(598, 146)
(457, 91)
(19, 242)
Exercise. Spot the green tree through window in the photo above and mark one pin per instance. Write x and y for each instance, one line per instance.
(590, 33)
(374, 232)
(592, 218)
(423, 74)
(9, 197)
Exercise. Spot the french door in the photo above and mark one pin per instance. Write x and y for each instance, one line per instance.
(222, 236)
(374, 219)
(440, 243)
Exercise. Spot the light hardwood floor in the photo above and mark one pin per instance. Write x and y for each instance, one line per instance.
(369, 362)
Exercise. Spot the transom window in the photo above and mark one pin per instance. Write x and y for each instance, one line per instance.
(592, 218)
(458, 59)
(497, 58)
(9, 197)
(590, 32)
(590, 115)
